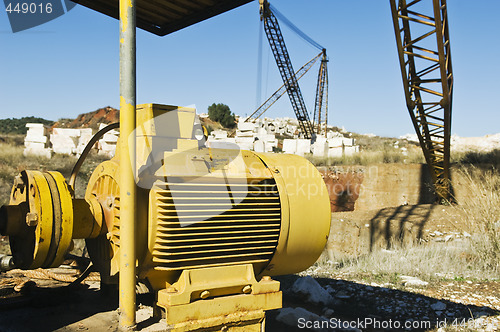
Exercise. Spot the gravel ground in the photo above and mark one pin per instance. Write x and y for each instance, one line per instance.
(320, 298)
(355, 305)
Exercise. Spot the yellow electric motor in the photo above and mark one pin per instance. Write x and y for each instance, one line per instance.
(212, 225)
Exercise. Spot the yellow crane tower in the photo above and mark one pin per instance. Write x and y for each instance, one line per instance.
(425, 60)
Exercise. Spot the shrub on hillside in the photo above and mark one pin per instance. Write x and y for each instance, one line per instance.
(222, 114)
(18, 126)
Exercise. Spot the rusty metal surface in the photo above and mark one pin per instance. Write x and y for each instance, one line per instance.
(164, 17)
(425, 60)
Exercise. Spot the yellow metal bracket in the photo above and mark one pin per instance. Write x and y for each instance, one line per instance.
(213, 282)
(219, 296)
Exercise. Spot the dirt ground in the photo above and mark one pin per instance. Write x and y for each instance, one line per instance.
(53, 306)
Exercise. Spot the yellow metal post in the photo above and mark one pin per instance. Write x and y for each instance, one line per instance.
(127, 164)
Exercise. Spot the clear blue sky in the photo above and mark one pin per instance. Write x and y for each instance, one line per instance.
(70, 65)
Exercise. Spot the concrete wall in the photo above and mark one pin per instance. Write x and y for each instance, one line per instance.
(388, 185)
(378, 186)
(388, 204)
(363, 188)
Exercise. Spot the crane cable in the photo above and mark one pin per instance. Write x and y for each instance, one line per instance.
(295, 29)
(258, 95)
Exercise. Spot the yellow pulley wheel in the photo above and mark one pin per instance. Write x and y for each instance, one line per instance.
(42, 231)
(40, 203)
(62, 219)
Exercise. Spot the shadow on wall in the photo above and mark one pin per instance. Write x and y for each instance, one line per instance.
(389, 185)
(402, 225)
(392, 204)
(406, 223)
(361, 232)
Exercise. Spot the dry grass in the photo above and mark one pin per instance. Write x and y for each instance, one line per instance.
(456, 260)
(386, 155)
(481, 214)
(476, 157)
(12, 162)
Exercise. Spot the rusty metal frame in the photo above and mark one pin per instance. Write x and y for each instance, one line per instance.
(428, 80)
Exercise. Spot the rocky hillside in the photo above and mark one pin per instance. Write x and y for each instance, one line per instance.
(92, 119)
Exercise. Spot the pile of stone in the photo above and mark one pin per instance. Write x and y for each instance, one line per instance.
(218, 140)
(67, 141)
(85, 137)
(70, 141)
(339, 146)
(64, 140)
(260, 136)
(107, 144)
(245, 135)
(36, 142)
(249, 136)
(282, 126)
(298, 146)
(279, 126)
(331, 146)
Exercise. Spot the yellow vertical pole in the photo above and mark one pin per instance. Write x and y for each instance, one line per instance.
(127, 164)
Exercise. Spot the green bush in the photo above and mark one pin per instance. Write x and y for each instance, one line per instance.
(222, 114)
(18, 126)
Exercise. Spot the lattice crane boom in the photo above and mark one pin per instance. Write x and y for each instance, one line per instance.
(320, 118)
(428, 80)
(282, 90)
(280, 52)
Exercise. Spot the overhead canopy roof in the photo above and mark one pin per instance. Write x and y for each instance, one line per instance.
(162, 17)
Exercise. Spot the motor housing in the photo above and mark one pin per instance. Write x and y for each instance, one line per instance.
(213, 225)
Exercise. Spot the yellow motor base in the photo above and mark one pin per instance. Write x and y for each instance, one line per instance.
(202, 298)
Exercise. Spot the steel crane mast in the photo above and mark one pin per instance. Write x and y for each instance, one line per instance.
(321, 104)
(277, 43)
(281, 91)
(427, 74)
